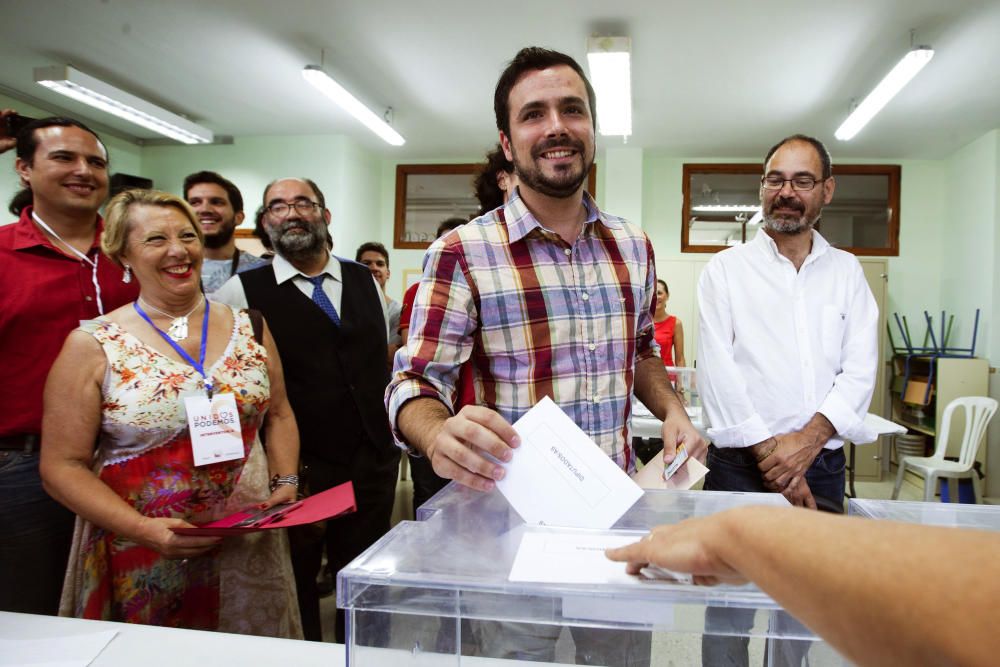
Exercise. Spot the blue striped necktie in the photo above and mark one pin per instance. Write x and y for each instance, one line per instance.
(321, 300)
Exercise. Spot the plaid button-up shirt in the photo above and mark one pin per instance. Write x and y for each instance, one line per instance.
(538, 317)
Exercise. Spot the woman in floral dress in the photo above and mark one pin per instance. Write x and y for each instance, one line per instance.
(118, 450)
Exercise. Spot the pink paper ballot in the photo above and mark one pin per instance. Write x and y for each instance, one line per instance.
(328, 504)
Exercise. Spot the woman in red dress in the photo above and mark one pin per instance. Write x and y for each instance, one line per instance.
(668, 330)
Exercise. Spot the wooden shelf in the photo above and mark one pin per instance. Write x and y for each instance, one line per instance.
(919, 428)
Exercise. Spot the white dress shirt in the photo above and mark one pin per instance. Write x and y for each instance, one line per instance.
(776, 346)
(232, 292)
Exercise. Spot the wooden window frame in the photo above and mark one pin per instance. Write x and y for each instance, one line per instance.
(892, 171)
(403, 171)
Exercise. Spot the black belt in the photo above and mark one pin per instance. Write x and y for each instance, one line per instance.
(25, 442)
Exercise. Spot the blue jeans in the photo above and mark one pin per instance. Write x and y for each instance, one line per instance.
(35, 537)
(736, 470)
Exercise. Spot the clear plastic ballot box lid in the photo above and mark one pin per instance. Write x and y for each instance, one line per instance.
(954, 515)
(451, 568)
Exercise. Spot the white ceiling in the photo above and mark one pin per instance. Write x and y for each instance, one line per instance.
(711, 78)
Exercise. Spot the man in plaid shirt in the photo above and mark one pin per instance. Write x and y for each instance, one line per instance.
(547, 295)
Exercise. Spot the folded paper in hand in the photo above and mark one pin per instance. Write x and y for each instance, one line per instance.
(650, 476)
(319, 507)
(559, 477)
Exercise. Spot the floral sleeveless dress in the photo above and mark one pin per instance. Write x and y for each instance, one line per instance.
(144, 454)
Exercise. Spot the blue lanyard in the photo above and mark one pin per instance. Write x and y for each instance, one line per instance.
(198, 365)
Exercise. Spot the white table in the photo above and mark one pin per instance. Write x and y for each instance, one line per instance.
(882, 427)
(645, 425)
(151, 646)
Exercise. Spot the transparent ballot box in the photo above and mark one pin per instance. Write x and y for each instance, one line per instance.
(437, 592)
(953, 515)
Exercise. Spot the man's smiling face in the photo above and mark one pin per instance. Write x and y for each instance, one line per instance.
(551, 140)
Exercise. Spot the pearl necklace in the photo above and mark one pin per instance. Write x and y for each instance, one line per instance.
(178, 329)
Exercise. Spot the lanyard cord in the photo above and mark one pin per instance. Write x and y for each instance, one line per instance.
(88, 260)
(198, 365)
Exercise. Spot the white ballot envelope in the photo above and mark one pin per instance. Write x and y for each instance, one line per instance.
(651, 474)
(564, 557)
(559, 477)
(570, 558)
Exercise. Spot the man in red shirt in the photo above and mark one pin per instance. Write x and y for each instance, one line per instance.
(52, 275)
(425, 481)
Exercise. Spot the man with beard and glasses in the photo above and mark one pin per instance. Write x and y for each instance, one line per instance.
(328, 320)
(787, 356)
(547, 296)
(219, 206)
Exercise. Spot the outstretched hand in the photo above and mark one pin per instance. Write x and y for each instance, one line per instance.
(691, 546)
(6, 142)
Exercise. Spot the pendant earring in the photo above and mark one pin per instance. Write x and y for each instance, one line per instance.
(127, 276)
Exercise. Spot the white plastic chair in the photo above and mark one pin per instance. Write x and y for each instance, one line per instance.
(978, 412)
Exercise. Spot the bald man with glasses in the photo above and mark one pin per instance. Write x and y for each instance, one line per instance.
(328, 320)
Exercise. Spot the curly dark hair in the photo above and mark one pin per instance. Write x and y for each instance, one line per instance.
(487, 189)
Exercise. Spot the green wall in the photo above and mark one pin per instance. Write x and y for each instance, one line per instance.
(969, 238)
(970, 248)
(347, 174)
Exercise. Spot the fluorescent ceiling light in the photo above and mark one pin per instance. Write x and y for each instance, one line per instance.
(726, 208)
(609, 61)
(326, 85)
(81, 87)
(893, 82)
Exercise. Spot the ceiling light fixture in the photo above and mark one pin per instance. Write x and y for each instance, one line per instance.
(324, 83)
(905, 69)
(73, 83)
(609, 61)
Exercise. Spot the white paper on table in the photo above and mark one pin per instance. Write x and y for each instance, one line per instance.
(559, 477)
(570, 558)
(68, 651)
(650, 476)
(883, 426)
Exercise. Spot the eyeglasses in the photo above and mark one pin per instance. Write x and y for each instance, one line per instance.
(281, 209)
(800, 183)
